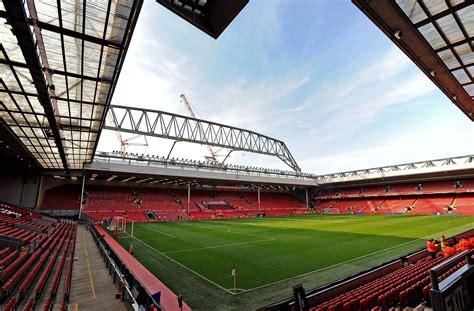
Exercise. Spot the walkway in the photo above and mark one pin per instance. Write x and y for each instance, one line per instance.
(92, 287)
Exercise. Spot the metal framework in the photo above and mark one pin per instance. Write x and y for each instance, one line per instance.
(439, 38)
(60, 61)
(182, 128)
(407, 168)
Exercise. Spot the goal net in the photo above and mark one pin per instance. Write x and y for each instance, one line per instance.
(331, 210)
(128, 227)
(121, 225)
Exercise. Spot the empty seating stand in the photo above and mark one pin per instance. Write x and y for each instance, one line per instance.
(171, 204)
(27, 270)
(406, 287)
(439, 197)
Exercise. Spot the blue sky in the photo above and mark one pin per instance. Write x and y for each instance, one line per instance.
(315, 74)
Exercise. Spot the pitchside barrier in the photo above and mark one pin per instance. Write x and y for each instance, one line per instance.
(125, 282)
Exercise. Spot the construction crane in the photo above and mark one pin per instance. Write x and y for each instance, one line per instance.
(125, 143)
(213, 153)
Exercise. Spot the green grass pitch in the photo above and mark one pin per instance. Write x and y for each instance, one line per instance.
(195, 258)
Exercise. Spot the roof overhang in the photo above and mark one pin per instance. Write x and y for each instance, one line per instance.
(461, 167)
(60, 62)
(173, 172)
(211, 16)
(438, 36)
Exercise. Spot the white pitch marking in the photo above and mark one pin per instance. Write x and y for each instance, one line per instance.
(228, 230)
(217, 246)
(157, 231)
(185, 267)
(354, 259)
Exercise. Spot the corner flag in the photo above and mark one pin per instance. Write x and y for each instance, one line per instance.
(234, 274)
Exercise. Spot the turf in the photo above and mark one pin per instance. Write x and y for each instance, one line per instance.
(272, 254)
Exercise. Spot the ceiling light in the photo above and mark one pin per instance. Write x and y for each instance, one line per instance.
(111, 178)
(142, 180)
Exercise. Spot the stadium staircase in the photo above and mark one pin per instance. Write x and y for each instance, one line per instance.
(463, 205)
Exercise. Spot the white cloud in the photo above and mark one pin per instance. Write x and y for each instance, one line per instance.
(316, 128)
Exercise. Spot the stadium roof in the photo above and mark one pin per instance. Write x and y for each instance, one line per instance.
(438, 36)
(210, 16)
(60, 62)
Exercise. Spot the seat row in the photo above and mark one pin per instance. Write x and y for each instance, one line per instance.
(27, 268)
(402, 288)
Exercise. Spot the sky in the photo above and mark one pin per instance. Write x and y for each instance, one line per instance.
(316, 74)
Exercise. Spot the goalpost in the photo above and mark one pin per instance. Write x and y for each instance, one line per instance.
(128, 227)
(121, 225)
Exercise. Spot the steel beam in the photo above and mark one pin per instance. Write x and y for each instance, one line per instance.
(403, 168)
(16, 15)
(167, 125)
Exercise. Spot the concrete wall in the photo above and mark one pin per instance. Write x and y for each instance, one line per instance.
(18, 185)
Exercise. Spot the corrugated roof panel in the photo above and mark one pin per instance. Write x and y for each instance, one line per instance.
(450, 28)
(432, 35)
(467, 18)
(75, 87)
(461, 76)
(412, 9)
(469, 89)
(436, 6)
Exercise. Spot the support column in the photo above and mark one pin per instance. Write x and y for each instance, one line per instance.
(258, 195)
(189, 196)
(307, 200)
(82, 193)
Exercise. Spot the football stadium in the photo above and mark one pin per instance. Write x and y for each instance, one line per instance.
(111, 205)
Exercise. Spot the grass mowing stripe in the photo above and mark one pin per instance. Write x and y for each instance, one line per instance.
(161, 232)
(230, 231)
(358, 258)
(185, 267)
(218, 246)
(313, 250)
